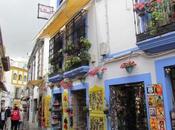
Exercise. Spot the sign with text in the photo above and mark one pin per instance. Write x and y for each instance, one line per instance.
(45, 11)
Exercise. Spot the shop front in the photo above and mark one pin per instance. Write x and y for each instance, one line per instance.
(165, 72)
(79, 106)
(127, 99)
(57, 109)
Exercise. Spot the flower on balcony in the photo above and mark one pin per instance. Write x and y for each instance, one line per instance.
(66, 83)
(147, 7)
(98, 71)
(139, 8)
(128, 64)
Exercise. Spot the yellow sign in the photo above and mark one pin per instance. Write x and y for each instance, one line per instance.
(47, 113)
(96, 102)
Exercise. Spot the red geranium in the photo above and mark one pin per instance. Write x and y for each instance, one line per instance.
(128, 64)
(96, 70)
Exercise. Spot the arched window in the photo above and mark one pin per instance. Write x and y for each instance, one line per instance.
(20, 77)
(14, 76)
(25, 78)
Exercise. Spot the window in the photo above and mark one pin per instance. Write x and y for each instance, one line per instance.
(55, 53)
(20, 77)
(76, 28)
(25, 78)
(14, 76)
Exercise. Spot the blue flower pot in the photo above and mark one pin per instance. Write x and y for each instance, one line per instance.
(129, 69)
(99, 75)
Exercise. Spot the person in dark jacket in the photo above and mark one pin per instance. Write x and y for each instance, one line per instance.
(2, 119)
(8, 116)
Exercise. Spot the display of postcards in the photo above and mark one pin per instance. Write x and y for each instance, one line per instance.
(153, 123)
(150, 90)
(161, 124)
(158, 100)
(160, 111)
(151, 100)
(152, 111)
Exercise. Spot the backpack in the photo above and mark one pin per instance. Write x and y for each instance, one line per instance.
(15, 115)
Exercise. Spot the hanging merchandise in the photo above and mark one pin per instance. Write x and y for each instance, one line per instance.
(96, 102)
(47, 113)
(65, 102)
(156, 107)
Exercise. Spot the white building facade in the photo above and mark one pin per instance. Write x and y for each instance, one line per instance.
(139, 98)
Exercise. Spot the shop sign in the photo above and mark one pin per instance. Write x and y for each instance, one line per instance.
(45, 11)
(156, 107)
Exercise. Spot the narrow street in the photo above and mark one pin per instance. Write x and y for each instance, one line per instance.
(87, 64)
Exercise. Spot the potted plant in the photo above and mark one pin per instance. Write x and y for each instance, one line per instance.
(139, 8)
(77, 54)
(98, 71)
(128, 66)
(154, 8)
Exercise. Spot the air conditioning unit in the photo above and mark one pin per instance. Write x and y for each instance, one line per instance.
(104, 49)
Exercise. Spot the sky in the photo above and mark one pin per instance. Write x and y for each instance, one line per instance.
(19, 25)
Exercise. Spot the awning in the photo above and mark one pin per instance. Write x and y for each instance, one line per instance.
(63, 17)
(2, 86)
(38, 83)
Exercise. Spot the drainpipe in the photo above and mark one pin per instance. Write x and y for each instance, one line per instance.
(107, 24)
(107, 29)
(96, 33)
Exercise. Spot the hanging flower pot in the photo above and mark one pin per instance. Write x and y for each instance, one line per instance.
(128, 66)
(98, 71)
(129, 69)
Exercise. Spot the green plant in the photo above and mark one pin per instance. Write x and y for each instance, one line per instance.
(69, 48)
(85, 44)
(71, 62)
(156, 19)
(77, 54)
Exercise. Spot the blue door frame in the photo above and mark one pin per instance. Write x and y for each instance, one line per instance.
(82, 86)
(164, 79)
(145, 78)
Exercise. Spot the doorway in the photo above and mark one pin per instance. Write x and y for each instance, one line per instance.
(78, 105)
(128, 107)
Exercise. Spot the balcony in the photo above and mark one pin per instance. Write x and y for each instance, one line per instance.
(155, 25)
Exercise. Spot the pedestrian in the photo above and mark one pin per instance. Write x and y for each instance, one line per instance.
(8, 120)
(21, 121)
(15, 117)
(2, 119)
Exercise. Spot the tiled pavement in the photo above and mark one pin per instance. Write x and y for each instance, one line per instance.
(29, 126)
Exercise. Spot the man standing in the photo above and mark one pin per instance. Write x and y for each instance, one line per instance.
(15, 117)
(8, 121)
(2, 119)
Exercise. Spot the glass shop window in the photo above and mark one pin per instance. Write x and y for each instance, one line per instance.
(14, 76)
